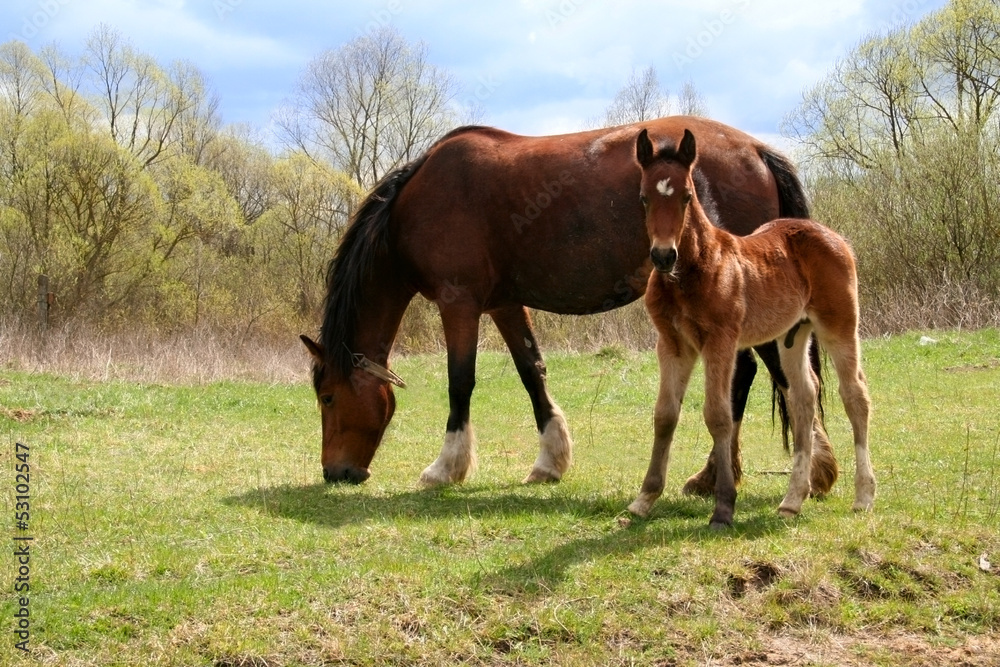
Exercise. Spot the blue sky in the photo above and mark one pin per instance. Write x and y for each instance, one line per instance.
(533, 66)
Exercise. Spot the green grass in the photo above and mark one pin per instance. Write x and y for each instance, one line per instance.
(189, 525)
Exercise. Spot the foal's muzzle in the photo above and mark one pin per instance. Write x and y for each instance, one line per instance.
(663, 258)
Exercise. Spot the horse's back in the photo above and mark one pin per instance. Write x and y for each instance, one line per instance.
(554, 222)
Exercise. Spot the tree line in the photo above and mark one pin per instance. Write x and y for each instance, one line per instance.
(120, 183)
(901, 146)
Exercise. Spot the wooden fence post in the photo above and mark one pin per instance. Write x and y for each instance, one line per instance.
(43, 302)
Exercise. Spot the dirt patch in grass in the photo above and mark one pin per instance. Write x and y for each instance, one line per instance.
(758, 575)
(966, 368)
(18, 414)
(903, 650)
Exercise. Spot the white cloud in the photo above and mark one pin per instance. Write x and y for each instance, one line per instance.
(536, 66)
(170, 29)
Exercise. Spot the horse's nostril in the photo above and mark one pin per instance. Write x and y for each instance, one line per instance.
(663, 258)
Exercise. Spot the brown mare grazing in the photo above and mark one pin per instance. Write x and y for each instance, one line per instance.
(491, 222)
(713, 293)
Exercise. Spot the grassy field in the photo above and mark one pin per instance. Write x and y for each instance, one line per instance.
(189, 525)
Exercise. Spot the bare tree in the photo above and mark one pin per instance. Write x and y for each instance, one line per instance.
(691, 101)
(370, 105)
(641, 98)
(141, 102)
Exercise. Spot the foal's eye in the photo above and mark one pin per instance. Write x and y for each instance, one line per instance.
(687, 196)
(645, 202)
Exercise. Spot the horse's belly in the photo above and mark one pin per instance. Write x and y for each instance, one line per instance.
(581, 290)
(771, 318)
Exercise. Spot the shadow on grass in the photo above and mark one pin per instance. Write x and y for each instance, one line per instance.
(611, 531)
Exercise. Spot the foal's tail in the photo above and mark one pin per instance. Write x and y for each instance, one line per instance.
(792, 203)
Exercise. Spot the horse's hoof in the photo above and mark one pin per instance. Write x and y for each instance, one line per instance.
(695, 486)
(432, 478)
(537, 476)
(863, 507)
(640, 508)
(787, 513)
(719, 525)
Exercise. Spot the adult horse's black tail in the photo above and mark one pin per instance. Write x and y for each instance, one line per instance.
(792, 203)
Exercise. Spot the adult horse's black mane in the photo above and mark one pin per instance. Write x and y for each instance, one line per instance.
(366, 238)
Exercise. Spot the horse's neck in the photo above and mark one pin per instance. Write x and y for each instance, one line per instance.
(383, 303)
(698, 233)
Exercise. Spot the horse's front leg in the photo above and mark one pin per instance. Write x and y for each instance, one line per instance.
(720, 361)
(702, 483)
(676, 361)
(555, 444)
(458, 455)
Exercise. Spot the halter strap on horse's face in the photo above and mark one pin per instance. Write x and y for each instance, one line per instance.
(370, 367)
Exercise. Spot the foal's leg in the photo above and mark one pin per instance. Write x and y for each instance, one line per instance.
(824, 470)
(556, 445)
(846, 356)
(458, 455)
(801, 405)
(702, 483)
(720, 360)
(676, 361)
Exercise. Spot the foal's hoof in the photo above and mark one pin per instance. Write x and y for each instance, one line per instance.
(718, 526)
(698, 486)
(863, 507)
(539, 476)
(787, 513)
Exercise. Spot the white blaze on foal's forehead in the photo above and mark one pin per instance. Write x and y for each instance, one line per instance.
(664, 188)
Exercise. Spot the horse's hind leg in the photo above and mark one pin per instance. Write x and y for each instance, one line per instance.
(801, 404)
(458, 455)
(676, 363)
(846, 356)
(824, 470)
(702, 483)
(556, 445)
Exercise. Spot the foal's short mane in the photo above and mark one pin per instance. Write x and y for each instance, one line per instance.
(365, 240)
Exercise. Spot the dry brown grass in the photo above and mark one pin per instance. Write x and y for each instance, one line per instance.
(191, 357)
(943, 306)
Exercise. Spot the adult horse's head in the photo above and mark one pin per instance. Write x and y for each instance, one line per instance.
(666, 190)
(355, 404)
(365, 301)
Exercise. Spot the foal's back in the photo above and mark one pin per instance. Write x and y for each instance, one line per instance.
(796, 269)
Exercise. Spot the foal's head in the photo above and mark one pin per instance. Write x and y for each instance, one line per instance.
(666, 191)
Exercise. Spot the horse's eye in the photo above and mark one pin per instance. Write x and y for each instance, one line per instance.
(645, 202)
(326, 399)
(687, 196)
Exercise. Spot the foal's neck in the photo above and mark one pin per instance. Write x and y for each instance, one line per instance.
(698, 233)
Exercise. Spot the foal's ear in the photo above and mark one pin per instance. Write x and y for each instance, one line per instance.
(687, 151)
(315, 349)
(644, 148)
